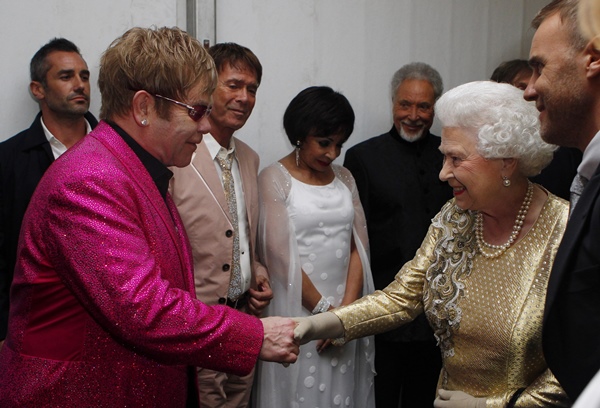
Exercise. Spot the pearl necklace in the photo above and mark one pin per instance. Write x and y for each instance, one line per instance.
(498, 250)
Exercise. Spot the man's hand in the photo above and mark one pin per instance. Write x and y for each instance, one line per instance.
(278, 343)
(457, 399)
(259, 299)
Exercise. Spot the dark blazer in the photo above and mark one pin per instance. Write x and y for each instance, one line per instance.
(571, 335)
(400, 190)
(24, 158)
(558, 175)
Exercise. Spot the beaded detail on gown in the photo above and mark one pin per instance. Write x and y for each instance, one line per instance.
(323, 217)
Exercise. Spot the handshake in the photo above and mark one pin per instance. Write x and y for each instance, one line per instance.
(283, 336)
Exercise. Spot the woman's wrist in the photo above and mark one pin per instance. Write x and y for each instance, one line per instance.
(322, 306)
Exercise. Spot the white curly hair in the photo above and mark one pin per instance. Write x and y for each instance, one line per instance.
(506, 125)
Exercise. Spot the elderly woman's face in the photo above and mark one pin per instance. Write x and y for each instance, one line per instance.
(475, 181)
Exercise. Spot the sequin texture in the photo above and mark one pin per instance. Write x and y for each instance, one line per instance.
(103, 306)
(487, 313)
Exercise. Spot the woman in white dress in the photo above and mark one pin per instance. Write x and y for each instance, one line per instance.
(313, 240)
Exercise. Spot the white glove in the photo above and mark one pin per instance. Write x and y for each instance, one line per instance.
(320, 326)
(457, 399)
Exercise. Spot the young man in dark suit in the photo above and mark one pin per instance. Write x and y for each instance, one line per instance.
(566, 89)
(60, 84)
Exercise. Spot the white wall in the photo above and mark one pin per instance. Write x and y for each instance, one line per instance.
(26, 25)
(353, 46)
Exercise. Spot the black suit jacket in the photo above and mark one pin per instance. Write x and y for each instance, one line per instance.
(400, 190)
(571, 333)
(24, 158)
(558, 175)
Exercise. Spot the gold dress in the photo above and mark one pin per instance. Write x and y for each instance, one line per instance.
(486, 313)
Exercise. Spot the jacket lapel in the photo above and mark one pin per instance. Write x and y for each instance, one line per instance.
(563, 262)
(117, 146)
(205, 168)
(245, 174)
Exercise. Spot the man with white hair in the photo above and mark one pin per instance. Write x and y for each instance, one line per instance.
(397, 178)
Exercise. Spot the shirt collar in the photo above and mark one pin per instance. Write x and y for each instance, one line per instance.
(50, 137)
(158, 171)
(214, 148)
(591, 158)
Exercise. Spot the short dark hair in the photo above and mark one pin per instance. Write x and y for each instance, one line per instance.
(236, 56)
(567, 10)
(39, 66)
(318, 111)
(508, 70)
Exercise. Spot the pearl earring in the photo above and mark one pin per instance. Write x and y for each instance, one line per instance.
(505, 181)
(144, 122)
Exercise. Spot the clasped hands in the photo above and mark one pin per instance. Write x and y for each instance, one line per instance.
(283, 336)
(289, 334)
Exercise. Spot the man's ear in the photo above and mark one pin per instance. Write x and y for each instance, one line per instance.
(37, 90)
(140, 106)
(593, 60)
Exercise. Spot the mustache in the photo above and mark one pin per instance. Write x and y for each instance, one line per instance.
(411, 123)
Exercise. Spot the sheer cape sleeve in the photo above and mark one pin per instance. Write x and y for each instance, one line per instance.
(277, 244)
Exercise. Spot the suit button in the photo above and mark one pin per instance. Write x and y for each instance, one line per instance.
(222, 301)
(229, 233)
(226, 267)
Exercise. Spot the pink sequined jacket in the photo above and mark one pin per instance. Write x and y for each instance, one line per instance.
(103, 310)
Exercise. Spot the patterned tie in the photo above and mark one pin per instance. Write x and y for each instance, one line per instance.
(577, 187)
(235, 283)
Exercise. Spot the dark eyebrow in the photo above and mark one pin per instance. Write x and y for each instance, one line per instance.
(239, 81)
(66, 71)
(535, 61)
(72, 71)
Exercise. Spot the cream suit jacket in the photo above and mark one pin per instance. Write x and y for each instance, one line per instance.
(198, 193)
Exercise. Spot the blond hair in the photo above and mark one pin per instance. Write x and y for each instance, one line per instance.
(164, 61)
(589, 20)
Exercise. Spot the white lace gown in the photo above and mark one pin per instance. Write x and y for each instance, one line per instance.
(322, 221)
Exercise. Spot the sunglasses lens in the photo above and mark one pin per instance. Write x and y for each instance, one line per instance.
(199, 111)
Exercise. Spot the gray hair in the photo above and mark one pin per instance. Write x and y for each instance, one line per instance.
(506, 125)
(418, 70)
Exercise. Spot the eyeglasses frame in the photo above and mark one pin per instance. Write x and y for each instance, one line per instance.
(192, 110)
